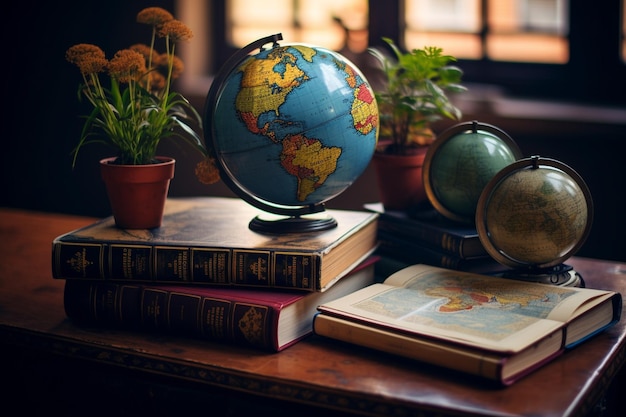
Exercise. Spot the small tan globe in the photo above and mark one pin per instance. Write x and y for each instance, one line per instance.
(534, 214)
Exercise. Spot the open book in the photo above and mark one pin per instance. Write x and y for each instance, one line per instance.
(496, 328)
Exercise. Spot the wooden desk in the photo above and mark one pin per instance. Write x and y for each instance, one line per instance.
(51, 364)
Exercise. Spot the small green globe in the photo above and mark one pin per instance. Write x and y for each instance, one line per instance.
(461, 162)
(534, 214)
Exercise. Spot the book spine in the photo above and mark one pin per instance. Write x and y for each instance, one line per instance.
(412, 253)
(476, 363)
(141, 308)
(440, 239)
(179, 264)
(481, 363)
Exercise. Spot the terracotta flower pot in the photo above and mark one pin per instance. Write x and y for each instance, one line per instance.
(400, 183)
(137, 193)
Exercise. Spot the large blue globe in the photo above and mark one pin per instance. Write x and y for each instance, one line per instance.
(294, 125)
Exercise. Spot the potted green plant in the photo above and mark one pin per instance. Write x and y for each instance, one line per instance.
(413, 94)
(133, 112)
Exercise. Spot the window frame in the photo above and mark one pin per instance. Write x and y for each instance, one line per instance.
(595, 38)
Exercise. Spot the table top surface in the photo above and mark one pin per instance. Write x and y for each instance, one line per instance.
(316, 371)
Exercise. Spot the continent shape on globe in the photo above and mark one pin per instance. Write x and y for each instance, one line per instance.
(295, 124)
(536, 216)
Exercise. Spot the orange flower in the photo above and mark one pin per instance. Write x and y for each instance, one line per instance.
(149, 54)
(175, 30)
(88, 58)
(157, 82)
(154, 16)
(207, 172)
(127, 65)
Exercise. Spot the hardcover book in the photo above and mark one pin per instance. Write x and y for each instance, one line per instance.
(409, 251)
(430, 229)
(496, 328)
(266, 319)
(206, 240)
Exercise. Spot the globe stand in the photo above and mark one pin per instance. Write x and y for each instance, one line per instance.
(293, 224)
(561, 275)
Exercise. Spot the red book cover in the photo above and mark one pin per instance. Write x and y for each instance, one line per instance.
(261, 318)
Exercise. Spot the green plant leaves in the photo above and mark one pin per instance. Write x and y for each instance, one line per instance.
(415, 91)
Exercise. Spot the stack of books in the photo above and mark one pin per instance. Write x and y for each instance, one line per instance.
(425, 236)
(205, 274)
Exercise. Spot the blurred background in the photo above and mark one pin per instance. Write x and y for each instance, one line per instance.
(551, 73)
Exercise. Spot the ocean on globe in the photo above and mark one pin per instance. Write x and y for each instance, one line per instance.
(534, 214)
(461, 162)
(294, 124)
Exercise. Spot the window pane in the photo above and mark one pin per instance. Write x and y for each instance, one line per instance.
(247, 22)
(452, 25)
(443, 15)
(307, 21)
(527, 31)
(516, 30)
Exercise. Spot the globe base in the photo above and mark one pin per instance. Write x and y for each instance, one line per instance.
(292, 224)
(561, 275)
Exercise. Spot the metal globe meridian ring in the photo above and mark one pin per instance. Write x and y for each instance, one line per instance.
(534, 214)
